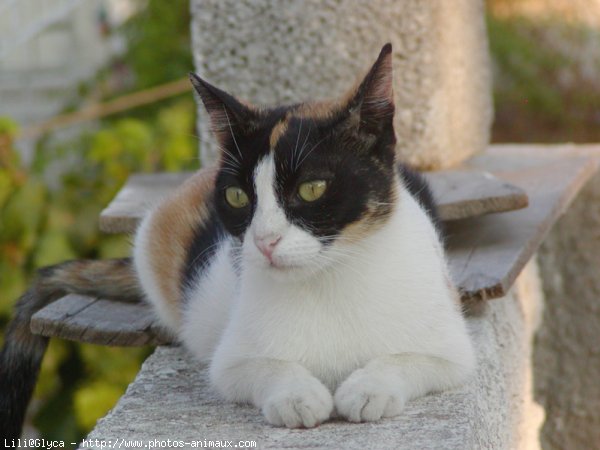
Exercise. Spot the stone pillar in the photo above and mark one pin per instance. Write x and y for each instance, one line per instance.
(567, 350)
(269, 52)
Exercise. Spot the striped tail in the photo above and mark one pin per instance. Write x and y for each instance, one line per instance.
(22, 353)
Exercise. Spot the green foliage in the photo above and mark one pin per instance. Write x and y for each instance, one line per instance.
(14, 241)
(105, 382)
(543, 91)
(159, 47)
(49, 211)
(524, 64)
(40, 225)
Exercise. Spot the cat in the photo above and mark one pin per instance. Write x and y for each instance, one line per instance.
(307, 268)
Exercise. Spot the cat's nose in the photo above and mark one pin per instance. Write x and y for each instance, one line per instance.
(267, 244)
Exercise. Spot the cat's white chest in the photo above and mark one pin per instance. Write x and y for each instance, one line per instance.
(331, 330)
(390, 299)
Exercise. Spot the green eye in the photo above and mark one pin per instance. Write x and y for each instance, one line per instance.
(236, 197)
(312, 190)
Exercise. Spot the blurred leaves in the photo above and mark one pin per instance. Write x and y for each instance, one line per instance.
(49, 211)
(523, 64)
(546, 87)
(93, 399)
(43, 223)
(105, 382)
(159, 47)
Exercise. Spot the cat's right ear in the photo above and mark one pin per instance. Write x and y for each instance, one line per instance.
(373, 100)
(228, 116)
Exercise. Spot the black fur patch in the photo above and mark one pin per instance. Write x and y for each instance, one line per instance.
(244, 148)
(20, 361)
(419, 189)
(356, 166)
(204, 245)
(351, 146)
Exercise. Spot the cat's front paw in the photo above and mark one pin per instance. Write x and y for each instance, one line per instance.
(367, 397)
(302, 403)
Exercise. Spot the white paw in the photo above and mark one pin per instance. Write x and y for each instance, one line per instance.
(303, 403)
(365, 397)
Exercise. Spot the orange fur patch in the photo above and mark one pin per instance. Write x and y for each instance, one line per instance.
(371, 220)
(172, 228)
(278, 131)
(316, 110)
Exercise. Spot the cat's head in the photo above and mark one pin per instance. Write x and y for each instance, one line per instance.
(299, 184)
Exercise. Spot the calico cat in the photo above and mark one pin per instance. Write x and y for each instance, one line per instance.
(307, 268)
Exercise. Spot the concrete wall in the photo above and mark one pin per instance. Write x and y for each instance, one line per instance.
(294, 50)
(46, 49)
(567, 350)
(171, 398)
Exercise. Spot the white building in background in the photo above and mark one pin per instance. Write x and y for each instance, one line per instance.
(47, 47)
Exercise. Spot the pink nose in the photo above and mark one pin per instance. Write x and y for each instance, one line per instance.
(267, 244)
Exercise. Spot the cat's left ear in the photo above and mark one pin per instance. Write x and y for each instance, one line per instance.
(373, 100)
(228, 116)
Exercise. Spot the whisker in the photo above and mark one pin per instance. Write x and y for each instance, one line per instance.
(229, 166)
(228, 153)
(297, 138)
(336, 263)
(302, 149)
(309, 152)
(230, 171)
(231, 131)
(197, 257)
(382, 203)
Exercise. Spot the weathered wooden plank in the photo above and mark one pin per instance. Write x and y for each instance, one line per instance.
(459, 194)
(487, 253)
(468, 193)
(99, 321)
(139, 194)
(58, 313)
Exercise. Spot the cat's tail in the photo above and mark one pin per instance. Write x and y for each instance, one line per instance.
(22, 353)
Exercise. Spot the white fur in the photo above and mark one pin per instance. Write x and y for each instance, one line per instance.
(294, 254)
(207, 307)
(362, 326)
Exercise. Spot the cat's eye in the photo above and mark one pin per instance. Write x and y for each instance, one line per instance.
(312, 190)
(236, 197)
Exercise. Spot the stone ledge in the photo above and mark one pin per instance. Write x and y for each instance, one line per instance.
(171, 399)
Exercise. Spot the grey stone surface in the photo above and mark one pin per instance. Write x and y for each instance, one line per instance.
(171, 399)
(294, 50)
(567, 350)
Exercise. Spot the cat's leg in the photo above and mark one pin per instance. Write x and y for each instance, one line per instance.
(385, 384)
(286, 392)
